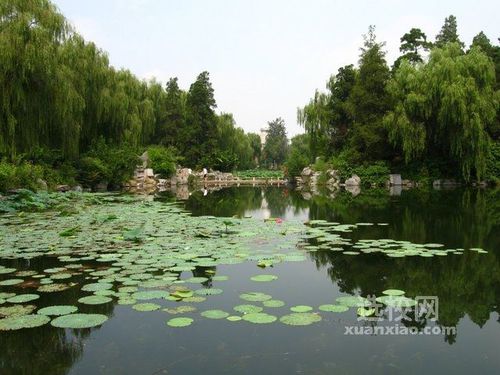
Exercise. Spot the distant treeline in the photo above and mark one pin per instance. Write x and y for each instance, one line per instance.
(58, 93)
(434, 113)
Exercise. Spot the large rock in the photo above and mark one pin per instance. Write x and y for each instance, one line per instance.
(353, 181)
(144, 159)
(182, 176)
(148, 172)
(307, 172)
(395, 180)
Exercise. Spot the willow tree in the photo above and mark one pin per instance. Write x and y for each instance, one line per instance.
(32, 82)
(315, 118)
(443, 108)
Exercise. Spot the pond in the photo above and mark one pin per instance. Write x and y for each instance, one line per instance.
(253, 280)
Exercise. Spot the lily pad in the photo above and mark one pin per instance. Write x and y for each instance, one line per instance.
(247, 309)
(214, 314)
(58, 310)
(301, 308)
(365, 312)
(259, 318)
(273, 303)
(77, 321)
(393, 292)
(94, 300)
(23, 298)
(264, 278)
(255, 297)
(180, 322)
(300, 319)
(333, 308)
(13, 323)
(17, 310)
(146, 307)
(208, 291)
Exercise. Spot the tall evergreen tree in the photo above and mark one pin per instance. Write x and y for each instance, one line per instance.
(412, 44)
(448, 33)
(276, 146)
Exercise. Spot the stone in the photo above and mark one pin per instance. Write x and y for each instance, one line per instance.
(353, 181)
(307, 172)
(353, 189)
(63, 188)
(144, 159)
(77, 188)
(148, 172)
(395, 180)
(182, 176)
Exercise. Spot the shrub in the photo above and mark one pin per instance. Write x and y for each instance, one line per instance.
(375, 173)
(162, 160)
(23, 175)
(493, 164)
(108, 163)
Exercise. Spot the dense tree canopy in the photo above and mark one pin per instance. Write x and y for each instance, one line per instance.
(439, 111)
(276, 146)
(444, 108)
(59, 92)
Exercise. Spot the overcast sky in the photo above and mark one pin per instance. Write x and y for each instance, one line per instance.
(265, 57)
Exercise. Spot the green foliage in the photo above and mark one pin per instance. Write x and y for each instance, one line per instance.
(493, 163)
(448, 33)
(162, 159)
(259, 174)
(276, 146)
(374, 173)
(224, 161)
(299, 156)
(443, 108)
(108, 164)
(24, 174)
(411, 44)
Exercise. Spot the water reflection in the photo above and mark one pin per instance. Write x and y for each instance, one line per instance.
(467, 284)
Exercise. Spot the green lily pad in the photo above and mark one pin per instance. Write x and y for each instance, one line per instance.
(150, 294)
(300, 319)
(393, 292)
(22, 298)
(365, 312)
(259, 318)
(247, 309)
(301, 308)
(13, 323)
(234, 318)
(273, 303)
(146, 307)
(180, 322)
(77, 321)
(10, 282)
(52, 288)
(264, 278)
(255, 297)
(96, 287)
(94, 300)
(215, 314)
(17, 310)
(58, 310)
(333, 308)
(208, 291)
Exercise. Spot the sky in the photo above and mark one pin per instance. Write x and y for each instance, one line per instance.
(265, 57)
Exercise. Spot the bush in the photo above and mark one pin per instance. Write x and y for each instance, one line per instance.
(23, 175)
(162, 160)
(375, 173)
(493, 164)
(108, 163)
(299, 156)
(224, 161)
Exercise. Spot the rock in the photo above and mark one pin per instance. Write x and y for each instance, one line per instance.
(307, 172)
(77, 188)
(148, 172)
(353, 189)
(41, 185)
(63, 188)
(144, 159)
(353, 181)
(395, 190)
(149, 181)
(182, 176)
(395, 180)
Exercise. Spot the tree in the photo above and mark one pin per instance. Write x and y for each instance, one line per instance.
(198, 137)
(369, 101)
(448, 33)
(276, 146)
(256, 145)
(315, 118)
(443, 108)
(412, 43)
(299, 156)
